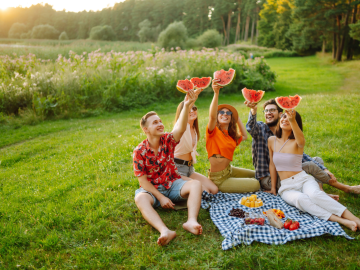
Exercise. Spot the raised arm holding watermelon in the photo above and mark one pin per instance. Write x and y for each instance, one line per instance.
(224, 133)
(298, 188)
(261, 131)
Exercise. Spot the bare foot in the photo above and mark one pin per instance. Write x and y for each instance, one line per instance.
(335, 197)
(193, 227)
(351, 225)
(166, 237)
(355, 189)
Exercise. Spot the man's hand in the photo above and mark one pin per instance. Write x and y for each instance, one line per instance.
(272, 191)
(166, 203)
(252, 106)
(215, 86)
(332, 177)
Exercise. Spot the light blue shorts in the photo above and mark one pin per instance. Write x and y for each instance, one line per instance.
(173, 193)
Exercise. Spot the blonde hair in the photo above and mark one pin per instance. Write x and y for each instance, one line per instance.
(196, 122)
(145, 117)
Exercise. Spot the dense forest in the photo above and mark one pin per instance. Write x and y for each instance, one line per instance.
(301, 25)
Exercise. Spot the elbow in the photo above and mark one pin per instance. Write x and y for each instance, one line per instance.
(244, 137)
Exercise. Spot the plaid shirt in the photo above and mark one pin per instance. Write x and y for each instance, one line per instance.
(159, 169)
(260, 132)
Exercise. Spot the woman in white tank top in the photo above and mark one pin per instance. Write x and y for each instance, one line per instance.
(185, 152)
(297, 187)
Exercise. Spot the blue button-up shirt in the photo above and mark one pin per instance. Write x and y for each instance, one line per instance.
(260, 132)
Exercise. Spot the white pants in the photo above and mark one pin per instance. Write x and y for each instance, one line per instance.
(303, 192)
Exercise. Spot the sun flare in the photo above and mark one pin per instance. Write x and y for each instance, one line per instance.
(68, 5)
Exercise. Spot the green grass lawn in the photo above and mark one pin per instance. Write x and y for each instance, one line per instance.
(67, 186)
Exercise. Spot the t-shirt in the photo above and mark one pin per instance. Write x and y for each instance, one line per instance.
(220, 142)
(160, 169)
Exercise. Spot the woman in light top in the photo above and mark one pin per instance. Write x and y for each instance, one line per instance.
(185, 152)
(224, 133)
(298, 188)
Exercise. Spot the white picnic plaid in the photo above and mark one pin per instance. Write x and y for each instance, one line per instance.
(235, 231)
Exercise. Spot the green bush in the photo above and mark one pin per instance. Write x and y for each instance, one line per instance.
(192, 43)
(44, 31)
(148, 33)
(63, 36)
(102, 32)
(210, 39)
(115, 81)
(175, 35)
(26, 35)
(16, 30)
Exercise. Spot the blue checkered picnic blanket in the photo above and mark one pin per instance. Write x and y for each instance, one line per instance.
(235, 231)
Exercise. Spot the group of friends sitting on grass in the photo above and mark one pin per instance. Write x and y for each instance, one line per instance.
(164, 163)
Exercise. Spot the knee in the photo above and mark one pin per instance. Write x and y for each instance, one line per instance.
(196, 184)
(214, 189)
(142, 199)
(314, 194)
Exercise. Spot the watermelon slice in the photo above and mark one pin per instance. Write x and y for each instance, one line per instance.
(226, 77)
(184, 86)
(288, 103)
(253, 95)
(201, 83)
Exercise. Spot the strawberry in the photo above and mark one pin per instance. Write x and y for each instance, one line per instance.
(287, 223)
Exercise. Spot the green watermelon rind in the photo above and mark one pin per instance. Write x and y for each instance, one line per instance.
(228, 82)
(282, 107)
(181, 89)
(262, 92)
(201, 79)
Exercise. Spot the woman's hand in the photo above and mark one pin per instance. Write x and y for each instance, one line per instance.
(290, 114)
(215, 86)
(272, 191)
(190, 98)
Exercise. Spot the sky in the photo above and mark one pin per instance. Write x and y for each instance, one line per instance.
(68, 5)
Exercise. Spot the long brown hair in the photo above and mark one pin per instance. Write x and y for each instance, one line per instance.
(196, 122)
(233, 128)
(278, 131)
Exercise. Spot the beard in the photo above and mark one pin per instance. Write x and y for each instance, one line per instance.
(273, 123)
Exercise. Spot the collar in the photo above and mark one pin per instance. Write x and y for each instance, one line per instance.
(147, 145)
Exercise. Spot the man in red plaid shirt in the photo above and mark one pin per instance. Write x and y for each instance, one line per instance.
(160, 182)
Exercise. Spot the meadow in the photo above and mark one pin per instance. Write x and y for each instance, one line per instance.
(67, 186)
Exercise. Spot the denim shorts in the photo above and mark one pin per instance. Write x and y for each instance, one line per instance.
(185, 170)
(173, 193)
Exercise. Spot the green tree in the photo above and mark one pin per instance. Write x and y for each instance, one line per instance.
(175, 35)
(282, 25)
(210, 39)
(102, 32)
(45, 31)
(63, 36)
(17, 29)
(268, 17)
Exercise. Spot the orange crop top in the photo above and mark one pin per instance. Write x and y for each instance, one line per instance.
(218, 142)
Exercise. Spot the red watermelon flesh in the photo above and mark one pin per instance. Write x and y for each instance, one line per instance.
(201, 83)
(226, 77)
(184, 86)
(253, 95)
(288, 103)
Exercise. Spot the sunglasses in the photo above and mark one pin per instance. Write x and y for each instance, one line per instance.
(194, 109)
(284, 116)
(227, 112)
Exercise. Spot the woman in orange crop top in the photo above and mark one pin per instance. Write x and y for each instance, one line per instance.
(222, 138)
(298, 188)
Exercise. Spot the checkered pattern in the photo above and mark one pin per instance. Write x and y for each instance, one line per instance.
(260, 132)
(235, 231)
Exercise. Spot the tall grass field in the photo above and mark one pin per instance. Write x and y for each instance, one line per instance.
(67, 186)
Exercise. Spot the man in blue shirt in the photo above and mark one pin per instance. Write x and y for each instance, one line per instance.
(260, 133)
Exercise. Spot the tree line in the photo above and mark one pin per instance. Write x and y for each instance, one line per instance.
(301, 25)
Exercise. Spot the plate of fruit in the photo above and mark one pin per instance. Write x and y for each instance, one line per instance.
(280, 214)
(252, 201)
